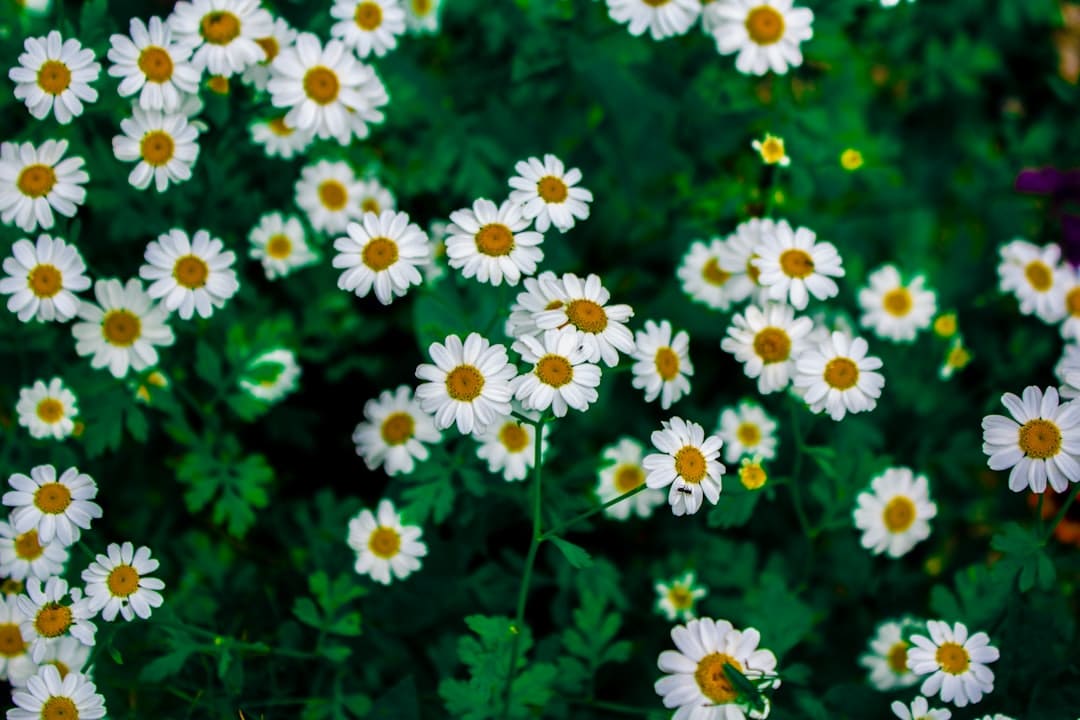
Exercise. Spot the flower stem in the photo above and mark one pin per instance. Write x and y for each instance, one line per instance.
(589, 513)
(1060, 513)
(796, 481)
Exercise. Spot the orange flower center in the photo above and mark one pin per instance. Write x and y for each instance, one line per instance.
(495, 239)
(156, 64)
(123, 581)
(385, 542)
(765, 25)
(690, 464)
(397, 428)
(551, 189)
(554, 370)
(157, 148)
(713, 274)
(36, 180)
(667, 364)
(713, 680)
(587, 316)
(464, 383)
(628, 477)
(380, 253)
(513, 437)
(27, 546)
(899, 514)
(54, 77)
(52, 498)
(368, 16)
(772, 344)
(220, 27)
(121, 328)
(897, 302)
(796, 263)
(321, 85)
(45, 281)
(953, 658)
(841, 373)
(1040, 439)
(332, 195)
(191, 272)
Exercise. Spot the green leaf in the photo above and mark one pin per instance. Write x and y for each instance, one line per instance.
(239, 487)
(305, 611)
(1023, 553)
(208, 364)
(135, 422)
(778, 613)
(434, 499)
(165, 666)
(576, 555)
(734, 509)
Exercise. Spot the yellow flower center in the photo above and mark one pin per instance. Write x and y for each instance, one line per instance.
(495, 240)
(421, 7)
(796, 263)
(385, 542)
(61, 668)
(713, 680)
(54, 77)
(772, 149)
(667, 364)
(897, 658)
(897, 302)
(898, 514)
(690, 464)
(11, 587)
(749, 434)
(332, 195)
(380, 253)
(53, 620)
(368, 16)
(218, 84)
(321, 85)
(1072, 301)
(122, 581)
(587, 316)
(279, 128)
(156, 64)
(1039, 275)
(464, 383)
(841, 373)
(27, 546)
(953, 658)
(157, 148)
(370, 204)
(11, 642)
(713, 273)
(628, 477)
(752, 270)
(656, 3)
(50, 410)
(851, 160)
(513, 437)
(121, 328)
(191, 271)
(680, 597)
(279, 247)
(551, 189)
(752, 476)
(45, 281)
(958, 357)
(765, 25)
(36, 180)
(269, 46)
(52, 498)
(397, 428)
(1040, 439)
(772, 344)
(945, 325)
(220, 27)
(554, 370)
(58, 707)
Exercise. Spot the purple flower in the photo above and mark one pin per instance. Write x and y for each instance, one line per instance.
(1063, 189)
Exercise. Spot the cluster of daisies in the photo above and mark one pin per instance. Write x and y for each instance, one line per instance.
(47, 628)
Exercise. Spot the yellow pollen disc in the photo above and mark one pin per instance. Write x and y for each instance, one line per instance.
(897, 658)
(220, 27)
(958, 357)
(157, 148)
(656, 3)
(899, 514)
(554, 370)
(156, 64)
(27, 546)
(50, 410)
(61, 668)
(59, 707)
(397, 428)
(713, 274)
(690, 464)
(54, 77)
(53, 620)
(464, 383)
(45, 281)
(513, 437)
(380, 253)
(772, 150)
(495, 239)
(628, 477)
(681, 597)
(1072, 301)
(587, 316)
(551, 189)
(269, 46)
(851, 160)
(11, 642)
(765, 25)
(897, 302)
(953, 658)
(385, 542)
(11, 587)
(752, 270)
(796, 263)
(945, 325)
(1040, 439)
(1039, 275)
(279, 247)
(52, 498)
(713, 680)
(121, 328)
(191, 272)
(123, 580)
(218, 84)
(749, 434)
(332, 195)
(279, 128)
(368, 16)
(370, 204)
(772, 344)
(321, 85)
(667, 364)
(752, 476)
(36, 180)
(421, 7)
(841, 373)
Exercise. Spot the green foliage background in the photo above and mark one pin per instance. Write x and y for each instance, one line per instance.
(247, 506)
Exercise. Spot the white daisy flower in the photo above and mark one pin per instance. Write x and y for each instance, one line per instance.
(36, 181)
(1037, 279)
(278, 138)
(583, 304)
(281, 36)
(15, 661)
(118, 582)
(747, 431)
(954, 663)
(330, 195)
(52, 612)
(384, 546)
(55, 507)
(374, 197)
(55, 75)
(490, 243)
(894, 515)
(322, 85)
(702, 277)
(1070, 327)
(122, 328)
(284, 379)
(662, 366)
(66, 654)
(152, 64)
(543, 292)
(1017, 251)
(1067, 371)
(547, 193)
(919, 710)
(46, 695)
(738, 256)
(469, 383)
(894, 310)
(189, 275)
(765, 33)
(794, 265)
(1040, 442)
(997, 716)
(382, 252)
(422, 16)
(687, 461)
(43, 279)
(394, 432)
(767, 341)
(561, 376)
(368, 26)
(662, 18)
(47, 410)
(838, 376)
(164, 147)
(223, 33)
(509, 447)
(676, 598)
(696, 682)
(621, 471)
(278, 243)
(887, 658)
(22, 555)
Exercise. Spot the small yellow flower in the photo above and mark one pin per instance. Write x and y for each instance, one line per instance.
(957, 358)
(155, 379)
(772, 150)
(79, 429)
(851, 159)
(945, 325)
(219, 84)
(752, 475)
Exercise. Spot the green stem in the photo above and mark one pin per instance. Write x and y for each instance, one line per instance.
(1039, 513)
(589, 513)
(219, 641)
(770, 190)
(1060, 513)
(796, 480)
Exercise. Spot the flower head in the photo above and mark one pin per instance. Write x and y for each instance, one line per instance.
(119, 582)
(35, 181)
(43, 278)
(687, 462)
(385, 547)
(383, 253)
(953, 663)
(622, 472)
(1039, 442)
(122, 329)
(662, 363)
(57, 507)
(894, 514)
(469, 383)
(677, 597)
(548, 193)
(766, 34)
(54, 75)
(394, 431)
